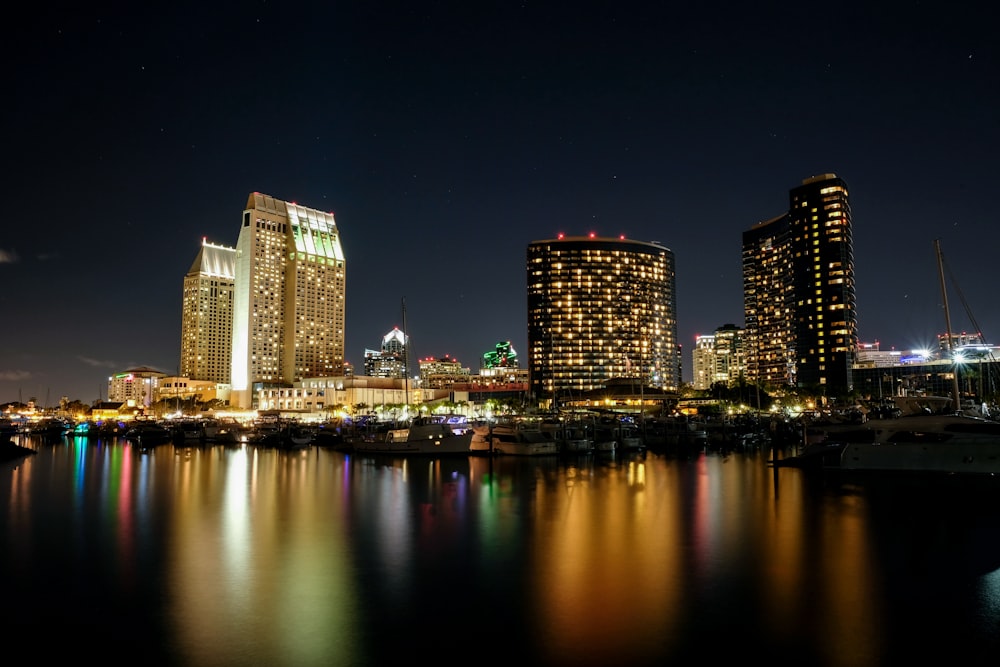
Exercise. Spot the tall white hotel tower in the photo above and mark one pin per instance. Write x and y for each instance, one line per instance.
(207, 315)
(288, 306)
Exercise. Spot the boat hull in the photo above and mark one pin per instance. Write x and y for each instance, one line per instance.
(981, 458)
(435, 439)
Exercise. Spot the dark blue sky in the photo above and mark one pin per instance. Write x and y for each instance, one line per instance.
(446, 137)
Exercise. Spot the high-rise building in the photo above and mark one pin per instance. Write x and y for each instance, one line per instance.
(730, 357)
(389, 361)
(288, 307)
(798, 291)
(600, 309)
(703, 362)
(207, 315)
(718, 358)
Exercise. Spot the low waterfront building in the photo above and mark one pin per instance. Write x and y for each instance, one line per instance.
(137, 386)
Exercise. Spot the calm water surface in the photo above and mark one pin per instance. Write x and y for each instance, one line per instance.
(244, 556)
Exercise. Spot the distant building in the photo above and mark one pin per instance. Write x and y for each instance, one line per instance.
(798, 291)
(600, 309)
(958, 340)
(389, 361)
(718, 358)
(322, 397)
(703, 362)
(288, 306)
(207, 315)
(442, 373)
(869, 355)
(182, 389)
(136, 386)
(501, 356)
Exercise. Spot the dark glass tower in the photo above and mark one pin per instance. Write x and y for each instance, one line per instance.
(798, 291)
(600, 308)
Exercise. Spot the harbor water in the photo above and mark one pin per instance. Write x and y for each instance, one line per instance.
(236, 555)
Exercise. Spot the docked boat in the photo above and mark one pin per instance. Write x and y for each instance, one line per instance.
(434, 435)
(147, 432)
(617, 433)
(930, 435)
(287, 436)
(482, 442)
(188, 431)
(220, 431)
(572, 435)
(676, 434)
(521, 438)
(48, 428)
(938, 443)
(949, 443)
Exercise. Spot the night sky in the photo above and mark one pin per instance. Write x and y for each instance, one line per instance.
(445, 137)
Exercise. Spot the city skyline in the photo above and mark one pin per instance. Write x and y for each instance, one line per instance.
(446, 139)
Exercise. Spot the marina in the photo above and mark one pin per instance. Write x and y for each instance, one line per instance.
(222, 554)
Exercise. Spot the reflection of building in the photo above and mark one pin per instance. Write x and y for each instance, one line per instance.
(798, 291)
(207, 315)
(598, 309)
(390, 360)
(136, 386)
(288, 306)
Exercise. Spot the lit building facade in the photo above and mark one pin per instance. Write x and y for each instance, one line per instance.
(289, 301)
(600, 309)
(442, 373)
(718, 357)
(799, 292)
(730, 357)
(503, 355)
(137, 387)
(703, 362)
(389, 361)
(207, 315)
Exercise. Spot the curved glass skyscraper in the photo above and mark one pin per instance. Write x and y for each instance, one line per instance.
(598, 309)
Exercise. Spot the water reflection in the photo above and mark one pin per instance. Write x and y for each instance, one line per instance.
(237, 555)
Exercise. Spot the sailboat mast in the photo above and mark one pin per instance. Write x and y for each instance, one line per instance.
(406, 356)
(956, 400)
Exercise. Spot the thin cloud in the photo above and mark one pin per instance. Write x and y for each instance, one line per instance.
(97, 363)
(14, 376)
(8, 256)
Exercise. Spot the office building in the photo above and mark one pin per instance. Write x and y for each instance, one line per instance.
(389, 361)
(442, 373)
(599, 309)
(703, 362)
(289, 301)
(798, 290)
(718, 358)
(207, 315)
